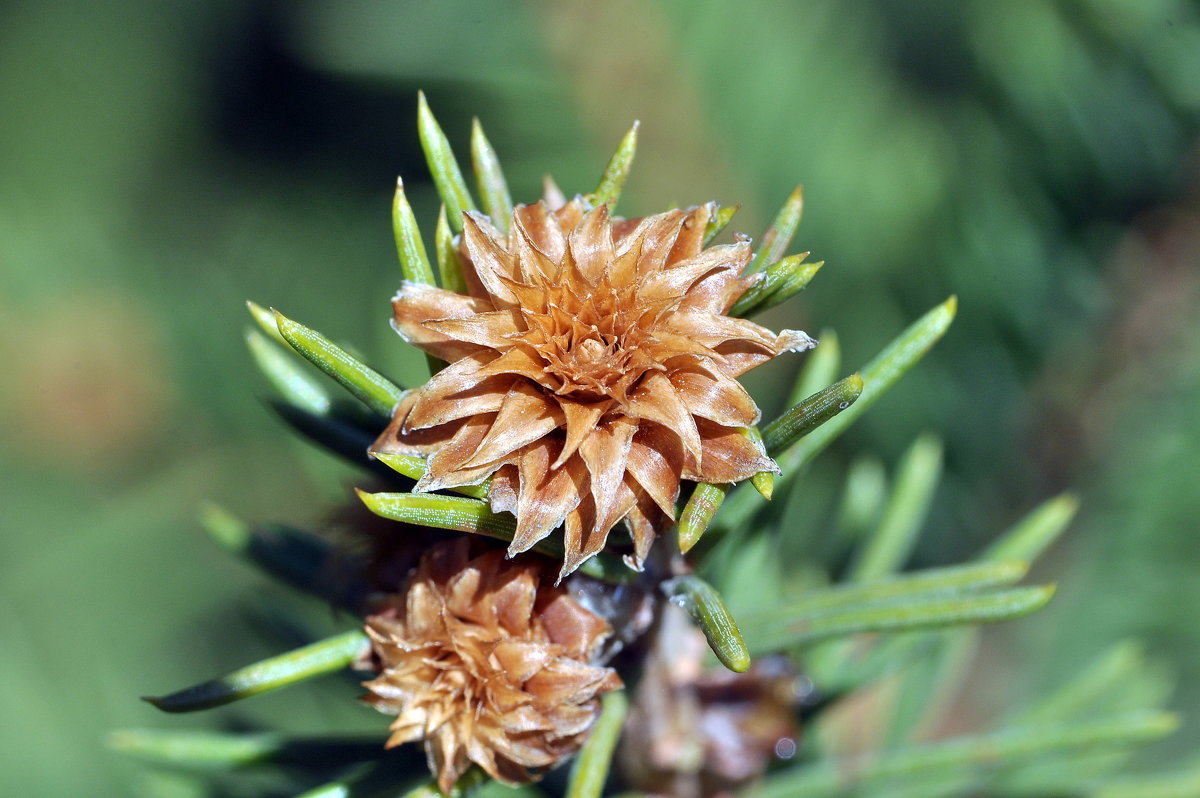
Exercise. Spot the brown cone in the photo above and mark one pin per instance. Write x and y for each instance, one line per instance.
(696, 733)
(592, 367)
(483, 662)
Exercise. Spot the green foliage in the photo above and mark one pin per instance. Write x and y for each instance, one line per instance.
(316, 659)
(443, 166)
(994, 150)
(449, 266)
(708, 610)
(778, 237)
(921, 617)
(591, 765)
(719, 221)
(414, 468)
(780, 434)
(613, 179)
(461, 514)
(367, 385)
(959, 766)
(414, 262)
(782, 280)
(293, 556)
(204, 750)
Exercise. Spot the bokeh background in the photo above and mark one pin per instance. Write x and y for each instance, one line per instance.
(162, 162)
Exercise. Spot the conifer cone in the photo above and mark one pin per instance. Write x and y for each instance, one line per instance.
(699, 733)
(484, 662)
(592, 368)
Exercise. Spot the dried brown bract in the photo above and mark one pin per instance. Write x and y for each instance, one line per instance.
(697, 733)
(484, 662)
(592, 367)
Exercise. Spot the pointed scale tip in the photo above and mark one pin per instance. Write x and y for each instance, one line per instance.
(570, 565)
(776, 239)
(951, 305)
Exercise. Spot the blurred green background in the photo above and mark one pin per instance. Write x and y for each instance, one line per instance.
(162, 162)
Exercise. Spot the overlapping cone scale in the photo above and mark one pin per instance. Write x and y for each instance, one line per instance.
(486, 663)
(591, 369)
